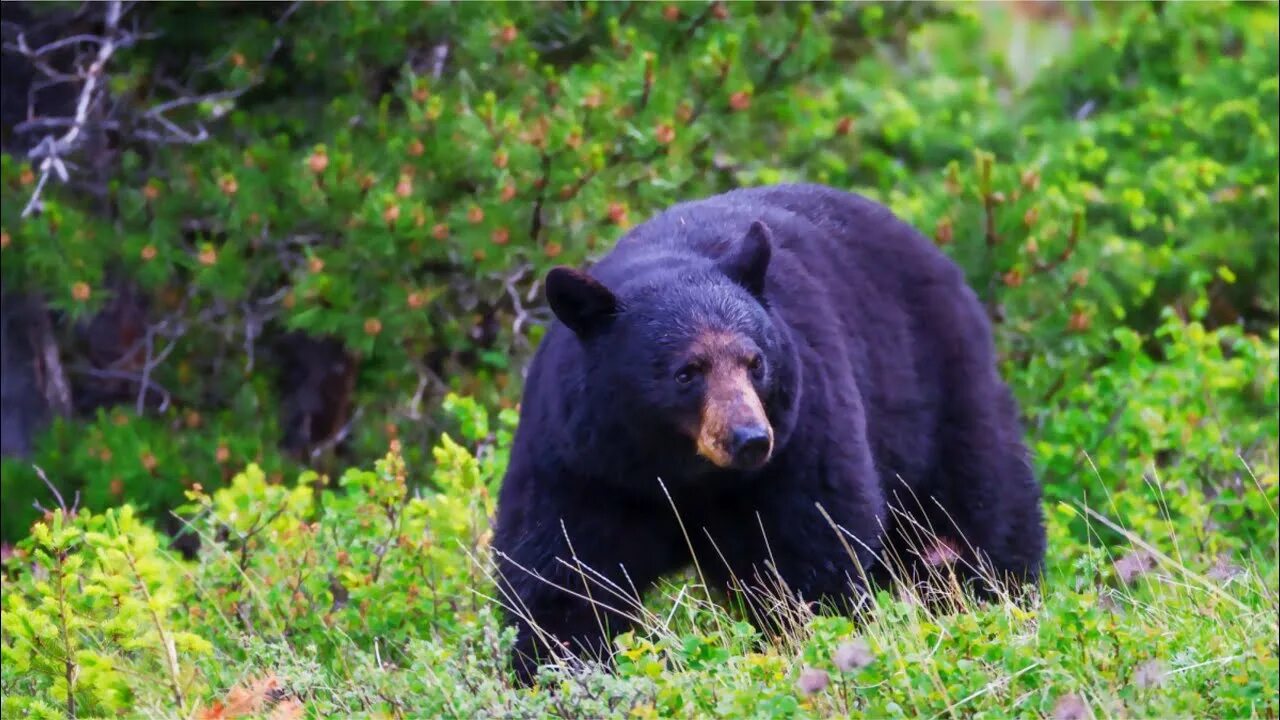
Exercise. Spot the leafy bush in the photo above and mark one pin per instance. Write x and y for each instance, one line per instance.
(96, 613)
(362, 236)
(371, 599)
(545, 136)
(1136, 172)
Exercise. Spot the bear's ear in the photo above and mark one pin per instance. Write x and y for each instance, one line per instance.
(580, 301)
(749, 261)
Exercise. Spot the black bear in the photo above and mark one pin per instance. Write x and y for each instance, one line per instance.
(752, 382)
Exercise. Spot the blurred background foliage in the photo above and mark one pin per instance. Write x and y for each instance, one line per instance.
(288, 231)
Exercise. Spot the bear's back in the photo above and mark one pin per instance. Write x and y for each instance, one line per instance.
(834, 234)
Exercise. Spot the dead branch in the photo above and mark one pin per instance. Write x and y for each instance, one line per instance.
(153, 124)
(50, 150)
(517, 307)
(439, 56)
(146, 383)
(336, 439)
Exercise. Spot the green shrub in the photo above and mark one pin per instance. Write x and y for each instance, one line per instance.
(371, 600)
(94, 628)
(408, 209)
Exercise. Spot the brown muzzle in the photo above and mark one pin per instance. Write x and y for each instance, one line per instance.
(733, 431)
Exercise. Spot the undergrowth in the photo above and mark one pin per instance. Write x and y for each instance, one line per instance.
(370, 599)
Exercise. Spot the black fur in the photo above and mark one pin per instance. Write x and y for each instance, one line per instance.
(879, 380)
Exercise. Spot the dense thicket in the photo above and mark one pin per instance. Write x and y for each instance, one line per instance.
(383, 185)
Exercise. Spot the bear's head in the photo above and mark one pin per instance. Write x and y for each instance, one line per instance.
(685, 357)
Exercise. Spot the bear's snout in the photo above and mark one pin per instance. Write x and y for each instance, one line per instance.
(734, 432)
(751, 446)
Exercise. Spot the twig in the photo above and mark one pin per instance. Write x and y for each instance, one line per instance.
(62, 504)
(166, 642)
(288, 13)
(70, 669)
(648, 83)
(396, 516)
(51, 149)
(337, 438)
(705, 98)
(252, 326)
(176, 103)
(522, 314)
(147, 383)
(259, 524)
(152, 124)
(176, 134)
(439, 56)
(34, 57)
(426, 377)
(24, 49)
(147, 364)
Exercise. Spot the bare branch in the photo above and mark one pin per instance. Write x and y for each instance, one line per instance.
(256, 314)
(24, 49)
(415, 402)
(52, 149)
(62, 504)
(34, 57)
(175, 133)
(34, 202)
(166, 397)
(439, 56)
(522, 314)
(152, 125)
(288, 13)
(41, 122)
(165, 107)
(337, 438)
(152, 362)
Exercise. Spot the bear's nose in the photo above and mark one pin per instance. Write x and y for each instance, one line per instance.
(750, 446)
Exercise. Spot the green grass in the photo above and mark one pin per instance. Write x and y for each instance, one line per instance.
(1141, 633)
(1126, 624)
(370, 595)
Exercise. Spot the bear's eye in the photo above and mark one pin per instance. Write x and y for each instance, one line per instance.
(755, 364)
(686, 374)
